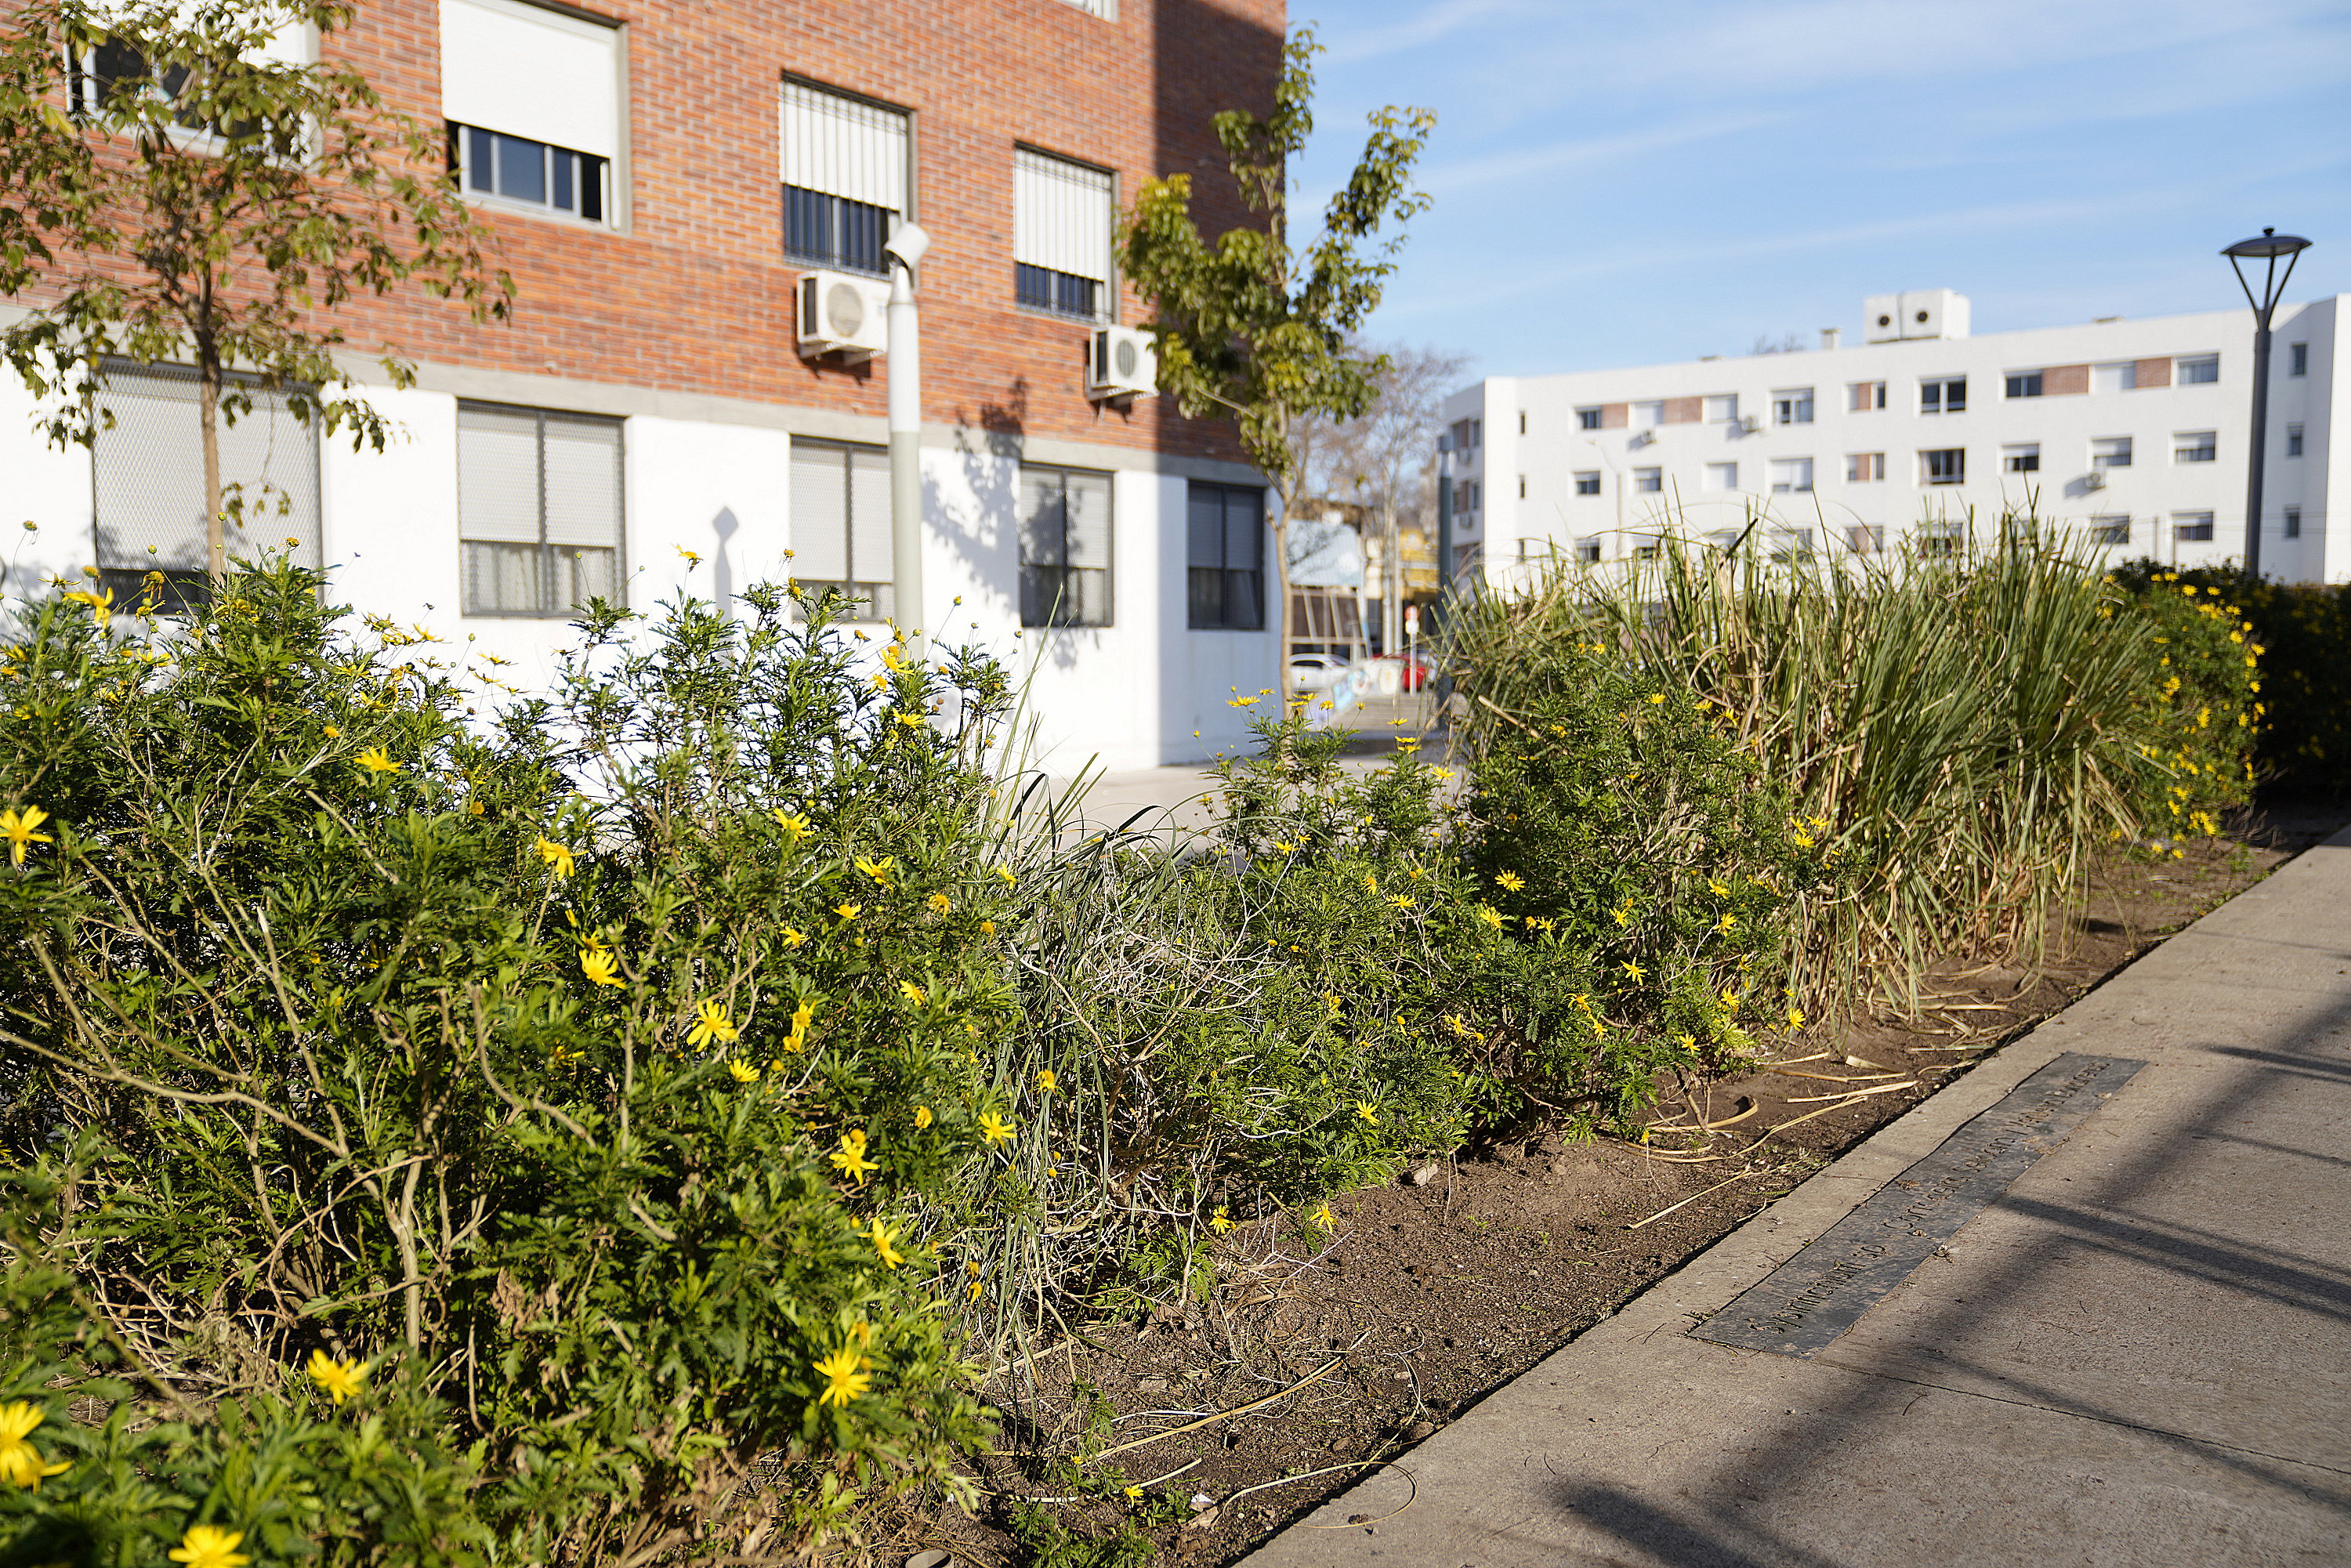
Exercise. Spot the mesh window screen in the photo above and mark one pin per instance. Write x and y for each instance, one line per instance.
(538, 509)
(148, 473)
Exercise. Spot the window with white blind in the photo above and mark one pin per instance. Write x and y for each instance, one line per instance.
(532, 97)
(1063, 218)
(1791, 476)
(840, 524)
(1065, 542)
(848, 170)
(538, 509)
(147, 471)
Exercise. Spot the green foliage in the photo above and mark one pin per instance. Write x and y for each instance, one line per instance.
(1253, 326)
(1616, 805)
(2198, 711)
(212, 203)
(1967, 727)
(590, 1077)
(2301, 631)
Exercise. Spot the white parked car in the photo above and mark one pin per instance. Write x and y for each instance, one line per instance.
(1310, 673)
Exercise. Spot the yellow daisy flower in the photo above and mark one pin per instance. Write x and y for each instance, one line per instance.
(341, 1379)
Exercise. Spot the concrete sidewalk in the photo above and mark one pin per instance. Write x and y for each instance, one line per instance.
(2140, 1354)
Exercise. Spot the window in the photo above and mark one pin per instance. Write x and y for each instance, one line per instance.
(1587, 482)
(1865, 396)
(98, 86)
(1946, 394)
(840, 524)
(2293, 441)
(1649, 481)
(1649, 415)
(147, 472)
(1722, 476)
(2294, 522)
(1645, 547)
(2021, 457)
(532, 97)
(538, 509)
(2195, 446)
(1866, 538)
(1945, 466)
(1522, 422)
(1587, 419)
(2192, 527)
(1791, 544)
(1226, 558)
(2120, 376)
(1523, 486)
(1465, 497)
(2024, 383)
(1722, 408)
(1468, 434)
(1791, 476)
(2110, 531)
(846, 177)
(1793, 407)
(2298, 359)
(1862, 467)
(1065, 540)
(1587, 550)
(1941, 540)
(2193, 370)
(2111, 452)
(1063, 214)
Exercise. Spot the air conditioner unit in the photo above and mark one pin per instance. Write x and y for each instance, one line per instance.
(839, 314)
(1749, 423)
(1643, 437)
(1124, 364)
(2096, 479)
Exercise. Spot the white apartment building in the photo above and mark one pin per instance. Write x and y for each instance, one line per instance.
(2134, 432)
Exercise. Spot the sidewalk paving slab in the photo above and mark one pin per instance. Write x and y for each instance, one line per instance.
(2139, 1355)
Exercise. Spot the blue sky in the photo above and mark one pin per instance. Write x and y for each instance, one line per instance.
(1628, 182)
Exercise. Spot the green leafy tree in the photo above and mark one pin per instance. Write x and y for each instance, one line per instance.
(177, 193)
(1254, 325)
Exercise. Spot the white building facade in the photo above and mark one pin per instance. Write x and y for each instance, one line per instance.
(2135, 433)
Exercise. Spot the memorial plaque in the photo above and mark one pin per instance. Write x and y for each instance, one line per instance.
(1822, 1291)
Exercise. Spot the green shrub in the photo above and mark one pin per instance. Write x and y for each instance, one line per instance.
(596, 1076)
(2198, 710)
(2301, 634)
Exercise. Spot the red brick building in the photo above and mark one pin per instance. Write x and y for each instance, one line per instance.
(661, 177)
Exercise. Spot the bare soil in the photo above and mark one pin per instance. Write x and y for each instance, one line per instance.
(1312, 1363)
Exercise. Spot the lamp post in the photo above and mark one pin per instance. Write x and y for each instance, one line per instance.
(2269, 249)
(905, 247)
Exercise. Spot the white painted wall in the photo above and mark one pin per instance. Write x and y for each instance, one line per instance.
(2149, 492)
(43, 485)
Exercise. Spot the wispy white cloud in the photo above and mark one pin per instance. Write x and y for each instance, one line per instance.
(1526, 162)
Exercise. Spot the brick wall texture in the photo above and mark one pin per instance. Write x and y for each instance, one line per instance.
(696, 297)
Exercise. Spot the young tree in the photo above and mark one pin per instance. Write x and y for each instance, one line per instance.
(175, 193)
(1257, 327)
(1380, 459)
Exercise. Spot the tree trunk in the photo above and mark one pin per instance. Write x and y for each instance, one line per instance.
(1281, 587)
(208, 390)
(1391, 580)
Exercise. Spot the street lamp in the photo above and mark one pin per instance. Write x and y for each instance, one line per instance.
(905, 247)
(2269, 249)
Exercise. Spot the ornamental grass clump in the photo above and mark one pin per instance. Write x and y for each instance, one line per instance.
(585, 1089)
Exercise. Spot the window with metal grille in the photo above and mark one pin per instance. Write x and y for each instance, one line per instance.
(147, 471)
(532, 98)
(840, 524)
(1063, 214)
(1226, 558)
(847, 170)
(1065, 544)
(538, 509)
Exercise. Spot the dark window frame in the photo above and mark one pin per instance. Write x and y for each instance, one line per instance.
(1221, 596)
(2024, 383)
(1062, 608)
(1949, 395)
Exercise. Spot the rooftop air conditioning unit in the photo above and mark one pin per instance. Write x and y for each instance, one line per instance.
(2096, 479)
(1124, 364)
(844, 315)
